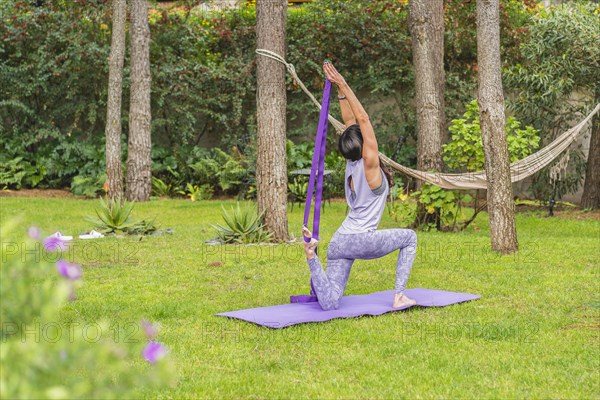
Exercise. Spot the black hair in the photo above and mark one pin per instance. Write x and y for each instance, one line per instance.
(351, 144)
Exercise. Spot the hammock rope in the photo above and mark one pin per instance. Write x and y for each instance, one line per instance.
(339, 127)
(519, 170)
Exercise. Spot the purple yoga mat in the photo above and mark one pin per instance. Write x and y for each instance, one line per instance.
(376, 303)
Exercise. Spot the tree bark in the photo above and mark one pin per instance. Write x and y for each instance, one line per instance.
(591, 186)
(501, 206)
(139, 162)
(114, 172)
(271, 164)
(426, 22)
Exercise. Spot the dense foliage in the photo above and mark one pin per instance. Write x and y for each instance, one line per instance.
(464, 152)
(53, 78)
(54, 73)
(558, 81)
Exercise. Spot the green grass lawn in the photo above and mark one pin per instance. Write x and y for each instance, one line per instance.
(534, 333)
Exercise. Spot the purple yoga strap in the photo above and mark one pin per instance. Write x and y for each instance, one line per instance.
(303, 298)
(318, 166)
(316, 173)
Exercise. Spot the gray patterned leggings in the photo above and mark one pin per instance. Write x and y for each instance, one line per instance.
(344, 249)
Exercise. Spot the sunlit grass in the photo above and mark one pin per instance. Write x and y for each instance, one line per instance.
(534, 332)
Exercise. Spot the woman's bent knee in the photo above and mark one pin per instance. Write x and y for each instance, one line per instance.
(412, 237)
(409, 237)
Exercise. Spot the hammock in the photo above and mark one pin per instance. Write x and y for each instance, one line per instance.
(519, 170)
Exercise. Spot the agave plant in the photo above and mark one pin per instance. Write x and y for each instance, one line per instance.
(113, 216)
(242, 226)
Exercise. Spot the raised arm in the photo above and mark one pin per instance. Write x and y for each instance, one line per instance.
(347, 114)
(370, 150)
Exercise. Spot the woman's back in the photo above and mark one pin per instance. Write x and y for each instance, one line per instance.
(366, 204)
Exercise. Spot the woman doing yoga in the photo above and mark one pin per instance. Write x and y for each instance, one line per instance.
(366, 187)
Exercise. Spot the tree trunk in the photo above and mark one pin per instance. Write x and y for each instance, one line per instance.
(271, 164)
(426, 21)
(501, 206)
(591, 187)
(114, 172)
(139, 162)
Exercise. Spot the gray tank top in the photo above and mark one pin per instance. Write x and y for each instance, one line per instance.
(366, 204)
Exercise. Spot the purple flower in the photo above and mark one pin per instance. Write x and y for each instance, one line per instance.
(150, 330)
(154, 351)
(68, 270)
(53, 243)
(34, 232)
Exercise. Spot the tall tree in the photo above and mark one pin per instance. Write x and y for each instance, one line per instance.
(426, 22)
(591, 187)
(271, 165)
(501, 206)
(114, 170)
(139, 162)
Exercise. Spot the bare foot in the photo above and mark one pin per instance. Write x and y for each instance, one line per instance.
(309, 248)
(400, 300)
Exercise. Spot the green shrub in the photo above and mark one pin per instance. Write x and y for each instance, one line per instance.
(202, 192)
(160, 188)
(89, 186)
(62, 360)
(242, 227)
(299, 156)
(464, 153)
(114, 216)
(17, 173)
(221, 170)
(401, 206)
(298, 188)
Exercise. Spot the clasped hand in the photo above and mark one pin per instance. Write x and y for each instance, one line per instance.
(333, 75)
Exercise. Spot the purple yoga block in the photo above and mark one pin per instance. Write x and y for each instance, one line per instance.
(281, 316)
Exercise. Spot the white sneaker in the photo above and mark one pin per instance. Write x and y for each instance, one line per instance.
(61, 236)
(92, 235)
